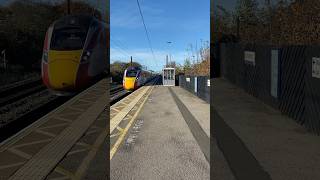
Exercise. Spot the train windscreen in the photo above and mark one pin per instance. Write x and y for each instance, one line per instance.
(65, 39)
(131, 73)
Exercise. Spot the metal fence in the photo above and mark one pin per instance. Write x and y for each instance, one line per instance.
(283, 77)
(197, 85)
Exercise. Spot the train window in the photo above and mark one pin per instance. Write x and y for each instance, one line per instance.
(172, 74)
(131, 73)
(95, 36)
(68, 39)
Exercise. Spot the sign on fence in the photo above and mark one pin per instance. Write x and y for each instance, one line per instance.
(208, 82)
(187, 79)
(250, 57)
(316, 67)
(274, 72)
(198, 87)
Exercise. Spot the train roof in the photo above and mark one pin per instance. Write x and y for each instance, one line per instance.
(80, 20)
(133, 68)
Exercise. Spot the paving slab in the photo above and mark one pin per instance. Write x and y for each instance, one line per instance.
(283, 148)
(160, 144)
(198, 108)
(36, 150)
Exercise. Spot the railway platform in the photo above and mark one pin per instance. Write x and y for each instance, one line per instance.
(67, 143)
(160, 132)
(257, 141)
(156, 132)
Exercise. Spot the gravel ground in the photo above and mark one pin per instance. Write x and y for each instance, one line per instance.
(15, 110)
(7, 78)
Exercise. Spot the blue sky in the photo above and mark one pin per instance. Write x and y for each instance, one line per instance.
(181, 22)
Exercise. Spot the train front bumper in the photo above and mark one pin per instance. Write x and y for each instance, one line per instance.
(62, 69)
(129, 83)
(62, 75)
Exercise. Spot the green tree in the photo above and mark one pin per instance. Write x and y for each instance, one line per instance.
(187, 67)
(23, 24)
(117, 69)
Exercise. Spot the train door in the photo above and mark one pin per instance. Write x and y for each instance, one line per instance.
(168, 76)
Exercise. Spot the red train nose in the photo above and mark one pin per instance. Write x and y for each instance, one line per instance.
(136, 84)
(44, 74)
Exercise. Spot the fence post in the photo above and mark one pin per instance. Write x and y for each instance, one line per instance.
(195, 84)
(274, 73)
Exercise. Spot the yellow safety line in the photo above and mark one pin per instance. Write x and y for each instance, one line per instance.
(119, 141)
(117, 134)
(115, 121)
(119, 129)
(114, 135)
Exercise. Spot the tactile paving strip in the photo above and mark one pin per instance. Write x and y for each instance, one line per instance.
(125, 107)
(82, 155)
(126, 116)
(35, 151)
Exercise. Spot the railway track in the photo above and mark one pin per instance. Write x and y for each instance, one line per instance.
(20, 98)
(116, 89)
(117, 94)
(19, 84)
(19, 90)
(25, 108)
(120, 93)
(9, 127)
(22, 109)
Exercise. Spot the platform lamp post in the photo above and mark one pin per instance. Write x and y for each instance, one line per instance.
(169, 42)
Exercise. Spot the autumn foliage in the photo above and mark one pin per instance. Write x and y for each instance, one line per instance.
(23, 24)
(200, 67)
(280, 23)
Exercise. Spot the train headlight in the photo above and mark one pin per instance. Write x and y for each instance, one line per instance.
(45, 56)
(85, 57)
